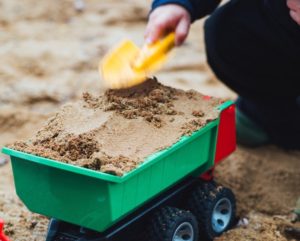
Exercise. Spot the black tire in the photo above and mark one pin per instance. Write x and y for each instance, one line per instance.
(214, 207)
(169, 221)
(53, 227)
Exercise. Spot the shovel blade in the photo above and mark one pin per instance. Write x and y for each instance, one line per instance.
(127, 65)
(116, 67)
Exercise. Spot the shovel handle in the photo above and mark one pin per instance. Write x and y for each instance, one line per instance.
(153, 52)
(166, 44)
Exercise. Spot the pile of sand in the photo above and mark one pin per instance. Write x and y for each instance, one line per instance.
(117, 130)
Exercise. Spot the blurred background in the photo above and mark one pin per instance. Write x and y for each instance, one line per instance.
(49, 55)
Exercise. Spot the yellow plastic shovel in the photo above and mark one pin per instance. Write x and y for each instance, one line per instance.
(127, 65)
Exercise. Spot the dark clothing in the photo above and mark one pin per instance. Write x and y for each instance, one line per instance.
(280, 119)
(280, 14)
(257, 54)
(253, 46)
(251, 52)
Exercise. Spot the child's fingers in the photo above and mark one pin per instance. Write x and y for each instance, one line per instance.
(170, 17)
(154, 30)
(295, 16)
(182, 30)
(294, 6)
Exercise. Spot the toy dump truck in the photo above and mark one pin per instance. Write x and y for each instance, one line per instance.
(171, 196)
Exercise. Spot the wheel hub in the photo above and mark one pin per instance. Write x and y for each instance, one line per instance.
(184, 232)
(221, 215)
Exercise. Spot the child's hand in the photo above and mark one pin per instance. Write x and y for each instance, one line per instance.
(294, 6)
(167, 18)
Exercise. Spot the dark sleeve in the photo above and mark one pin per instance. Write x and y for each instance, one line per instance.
(196, 8)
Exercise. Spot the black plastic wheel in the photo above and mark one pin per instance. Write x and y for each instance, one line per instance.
(173, 224)
(52, 229)
(214, 207)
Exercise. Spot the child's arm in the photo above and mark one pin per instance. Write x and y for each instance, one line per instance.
(294, 6)
(176, 15)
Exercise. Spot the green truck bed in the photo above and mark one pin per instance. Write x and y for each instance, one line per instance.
(97, 200)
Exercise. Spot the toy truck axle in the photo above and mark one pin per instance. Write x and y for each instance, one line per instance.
(189, 202)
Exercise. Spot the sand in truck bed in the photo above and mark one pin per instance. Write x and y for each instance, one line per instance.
(116, 131)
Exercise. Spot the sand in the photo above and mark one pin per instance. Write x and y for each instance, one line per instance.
(49, 56)
(118, 130)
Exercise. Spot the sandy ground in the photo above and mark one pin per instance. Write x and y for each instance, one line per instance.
(49, 56)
